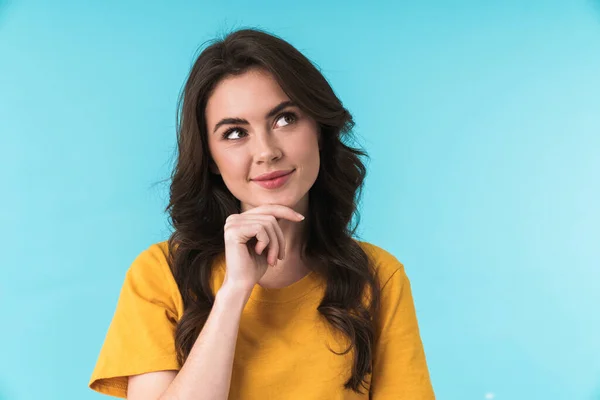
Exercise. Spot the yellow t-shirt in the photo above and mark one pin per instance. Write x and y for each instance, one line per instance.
(282, 350)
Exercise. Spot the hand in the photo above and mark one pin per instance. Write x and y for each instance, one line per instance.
(247, 235)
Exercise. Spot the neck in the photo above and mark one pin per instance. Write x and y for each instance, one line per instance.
(293, 267)
(294, 234)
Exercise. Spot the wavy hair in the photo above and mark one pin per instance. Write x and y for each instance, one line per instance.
(200, 202)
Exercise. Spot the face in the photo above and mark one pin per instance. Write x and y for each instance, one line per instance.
(254, 129)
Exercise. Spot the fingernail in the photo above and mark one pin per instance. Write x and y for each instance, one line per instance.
(300, 216)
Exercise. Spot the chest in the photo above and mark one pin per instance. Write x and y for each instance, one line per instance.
(283, 351)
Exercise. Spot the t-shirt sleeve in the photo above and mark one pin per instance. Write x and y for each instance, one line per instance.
(399, 365)
(140, 337)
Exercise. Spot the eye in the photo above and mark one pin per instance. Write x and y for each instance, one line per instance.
(228, 132)
(289, 117)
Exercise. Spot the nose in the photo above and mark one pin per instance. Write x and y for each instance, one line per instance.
(266, 148)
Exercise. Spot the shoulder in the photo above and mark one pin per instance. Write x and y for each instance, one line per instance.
(157, 251)
(151, 260)
(150, 273)
(153, 256)
(384, 263)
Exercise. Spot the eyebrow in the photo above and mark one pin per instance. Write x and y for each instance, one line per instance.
(275, 110)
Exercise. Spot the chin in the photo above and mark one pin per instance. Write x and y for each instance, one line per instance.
(289, 198)
(281, 198)
(282, 202)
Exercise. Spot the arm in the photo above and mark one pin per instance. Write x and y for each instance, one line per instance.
(400, 368)
(206, 374)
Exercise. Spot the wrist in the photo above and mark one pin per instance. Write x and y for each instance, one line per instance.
(233, 294)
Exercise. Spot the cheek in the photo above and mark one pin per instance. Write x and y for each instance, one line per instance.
(231, 165)
(307, 153)
(308, 147)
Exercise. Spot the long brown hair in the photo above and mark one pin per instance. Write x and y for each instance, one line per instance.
(200, 202)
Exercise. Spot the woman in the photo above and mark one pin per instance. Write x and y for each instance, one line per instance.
(261, 292)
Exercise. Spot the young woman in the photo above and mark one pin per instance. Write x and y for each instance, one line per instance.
(261, 292)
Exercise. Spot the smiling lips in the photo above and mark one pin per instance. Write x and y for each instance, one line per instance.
(273, 180)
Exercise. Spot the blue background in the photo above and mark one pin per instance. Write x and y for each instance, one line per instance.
(482, 120)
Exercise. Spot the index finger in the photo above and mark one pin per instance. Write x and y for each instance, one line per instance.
(276, 210)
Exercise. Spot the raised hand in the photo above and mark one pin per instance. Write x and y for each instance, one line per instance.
(247, 235)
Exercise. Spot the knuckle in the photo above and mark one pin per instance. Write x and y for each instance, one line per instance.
(230, 218)
(264, 233)
(228, 237)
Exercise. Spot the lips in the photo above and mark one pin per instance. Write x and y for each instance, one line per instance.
(273, 175)
(275, 183)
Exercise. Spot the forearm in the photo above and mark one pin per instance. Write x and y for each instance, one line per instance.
(206, 374)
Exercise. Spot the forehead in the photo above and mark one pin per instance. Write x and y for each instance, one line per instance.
(249, 95)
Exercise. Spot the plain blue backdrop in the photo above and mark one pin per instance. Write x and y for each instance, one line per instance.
(482, 120)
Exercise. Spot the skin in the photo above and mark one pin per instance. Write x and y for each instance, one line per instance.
(274, 217)
(281, 142)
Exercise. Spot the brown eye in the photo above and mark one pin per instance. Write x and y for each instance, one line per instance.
(229, 132)
(288, 117)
